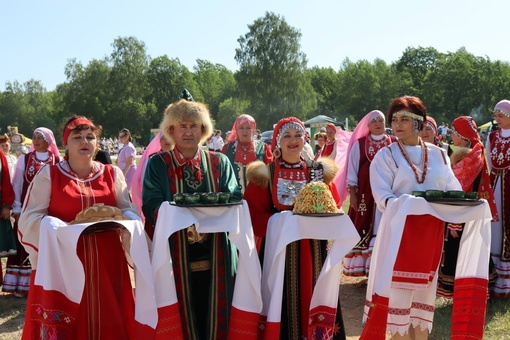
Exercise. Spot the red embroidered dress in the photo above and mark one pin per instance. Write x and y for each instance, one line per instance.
(499, 152)
(17, 274)
(106, 309)
(357, 262)
(304, 258)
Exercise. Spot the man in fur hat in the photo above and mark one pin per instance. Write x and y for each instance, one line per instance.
(203, 264)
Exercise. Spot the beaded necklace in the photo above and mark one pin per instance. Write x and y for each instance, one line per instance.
(424, 161)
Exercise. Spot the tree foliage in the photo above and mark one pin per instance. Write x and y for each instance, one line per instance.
(272, 71)
(129, 88)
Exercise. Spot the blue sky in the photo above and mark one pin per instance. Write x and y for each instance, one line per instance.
(38, 37)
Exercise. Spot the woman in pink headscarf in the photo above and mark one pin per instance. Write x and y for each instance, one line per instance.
(329, 149)
(498, 154)
(368, 138)
(469, 166)
(241, 149)
(43, 151)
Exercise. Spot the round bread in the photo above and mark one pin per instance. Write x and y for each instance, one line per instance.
(98, 212)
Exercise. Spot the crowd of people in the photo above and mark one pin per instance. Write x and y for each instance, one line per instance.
(71, 260)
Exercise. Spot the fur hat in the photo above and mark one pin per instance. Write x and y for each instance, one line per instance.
(186, 110)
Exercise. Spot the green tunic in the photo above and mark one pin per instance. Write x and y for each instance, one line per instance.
(205, 296)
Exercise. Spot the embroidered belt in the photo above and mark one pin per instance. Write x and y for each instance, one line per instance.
(200, 266)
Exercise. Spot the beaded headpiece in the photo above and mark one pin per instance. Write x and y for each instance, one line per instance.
(283, 125)
(503, 107)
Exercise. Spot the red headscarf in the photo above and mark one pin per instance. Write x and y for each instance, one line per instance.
(331, 126)
(466, 127)
(282, 126)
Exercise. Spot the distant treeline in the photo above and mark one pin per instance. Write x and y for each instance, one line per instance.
(131, 89)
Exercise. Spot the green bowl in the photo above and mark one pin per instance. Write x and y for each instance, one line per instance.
(224, 197)
(179, 198)
(210, 198)
(434, 193)
(192, 198)
(455, 194)
(419, 193)
(471, 195)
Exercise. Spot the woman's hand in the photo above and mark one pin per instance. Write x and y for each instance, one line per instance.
(6, 213)
(353, 197)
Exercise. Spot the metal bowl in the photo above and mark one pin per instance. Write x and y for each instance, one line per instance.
(419, 193)
(434, 193)
(471, 195)
(210, 198)
(224, 197)
(455, 194)
(191, 198)
(179, 198)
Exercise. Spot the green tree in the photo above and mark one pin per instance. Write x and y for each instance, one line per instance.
(272, 71)
(216, 84)
(229, 110)
(416, 64)
(166, 79)
(326, 84)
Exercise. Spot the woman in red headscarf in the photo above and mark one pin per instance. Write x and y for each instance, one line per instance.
(430, 134)
(469, 166)
(329, 148)
(88, 294)
(241, 149)
(273, 188)
(43, 151)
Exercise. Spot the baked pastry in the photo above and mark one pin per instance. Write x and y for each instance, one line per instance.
(315, 198)
(98, 212)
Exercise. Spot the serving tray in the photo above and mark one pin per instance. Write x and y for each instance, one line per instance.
(455, 201)
(202, 205)
(319, 214)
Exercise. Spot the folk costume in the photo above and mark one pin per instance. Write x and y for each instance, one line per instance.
(241, 154)
(17, 274)
(498, 154)
(106, 308)
(271, 189)
(204, 264)
(470, 168)
(329, 149)
(7, 236)
(402, 283)
(197, 258)
(363, 146)
(431, 123)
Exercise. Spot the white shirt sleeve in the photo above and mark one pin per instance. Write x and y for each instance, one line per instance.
(17, 184)
(353, 165)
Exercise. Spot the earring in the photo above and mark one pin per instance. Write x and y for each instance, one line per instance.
(277, 153)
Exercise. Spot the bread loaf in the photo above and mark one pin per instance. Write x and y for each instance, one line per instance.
(98, 212)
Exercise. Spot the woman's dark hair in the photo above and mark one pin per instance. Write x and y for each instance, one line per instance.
(411, 104)
(127, 133)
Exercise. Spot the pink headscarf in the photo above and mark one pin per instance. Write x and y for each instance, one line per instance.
(504, 107)
(49, 138)
(242, 119)
(360, 131)
(137, 181)
(432, 123)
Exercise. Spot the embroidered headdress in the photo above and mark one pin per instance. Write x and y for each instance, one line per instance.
(282, 126)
